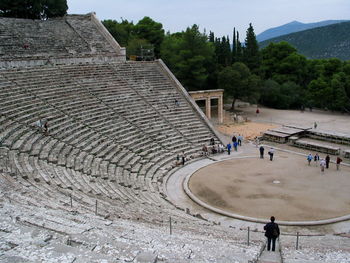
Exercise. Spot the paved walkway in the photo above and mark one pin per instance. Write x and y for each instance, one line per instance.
(270, 256)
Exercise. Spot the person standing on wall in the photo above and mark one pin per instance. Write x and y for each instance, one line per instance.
(272, 232)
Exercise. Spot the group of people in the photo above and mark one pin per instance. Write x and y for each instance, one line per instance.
(181, 159)
(236, 141)
(271, 152)
(212, 149)
(324, 163)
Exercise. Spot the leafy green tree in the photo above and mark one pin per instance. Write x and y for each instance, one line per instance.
(272, 55)
(121, 32)
(339, 99)
(270, 93)
(151, 31)
(239, 83)
(223, 51)
(331, 66)
(346, 71)
(55, 8)
(134, 46)
(282, 63)
(239, 49)
(318, 91)
(33, 9)
(279, 96)
(251, 53)
(189, 55)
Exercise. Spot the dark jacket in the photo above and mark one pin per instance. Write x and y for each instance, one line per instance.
(272, 230)
(328, 159)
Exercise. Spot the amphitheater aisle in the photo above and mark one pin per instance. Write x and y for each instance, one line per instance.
(271, 256)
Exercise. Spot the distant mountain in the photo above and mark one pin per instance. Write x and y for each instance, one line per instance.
(332, 41)
(293, 27)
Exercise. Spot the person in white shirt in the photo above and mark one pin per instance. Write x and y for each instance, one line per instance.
(322, 165)
(271, 152)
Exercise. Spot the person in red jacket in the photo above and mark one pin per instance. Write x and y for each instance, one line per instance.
(339, 160)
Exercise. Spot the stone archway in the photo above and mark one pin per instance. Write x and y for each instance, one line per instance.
(208, 95)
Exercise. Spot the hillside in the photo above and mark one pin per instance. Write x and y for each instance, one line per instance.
(293, 27)
(332, 41)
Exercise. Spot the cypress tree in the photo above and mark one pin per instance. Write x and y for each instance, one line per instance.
(238, 49)
(227, 52)
(234, 46)
(211, 37)
(251, 54)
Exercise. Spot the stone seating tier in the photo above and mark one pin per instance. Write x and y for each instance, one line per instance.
(73, 38)
(317, 147)
(93, 129)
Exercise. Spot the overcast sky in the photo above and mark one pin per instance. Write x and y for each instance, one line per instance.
(219, 16)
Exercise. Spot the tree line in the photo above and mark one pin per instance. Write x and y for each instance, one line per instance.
(33, 9)
(275, 76)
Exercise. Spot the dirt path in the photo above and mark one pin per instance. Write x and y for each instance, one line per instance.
(249, 129)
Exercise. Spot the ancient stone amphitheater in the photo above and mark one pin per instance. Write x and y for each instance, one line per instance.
(93, 189)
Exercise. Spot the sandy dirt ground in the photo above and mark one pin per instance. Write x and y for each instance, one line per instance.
(249, 130)
(325, 120)
(271, 118)
(286, 187)
(302, 192)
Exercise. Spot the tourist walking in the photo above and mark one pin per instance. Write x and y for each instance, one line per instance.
(261, 150)
(271, 152)
(257, 112)
(316, 158)
(235, 146)
(234, 139)
(229, 148)
(240, 139)
(339, 160)
(315, 125)
(272, 232)
(309, 158)
(322, 165)
(328, 159)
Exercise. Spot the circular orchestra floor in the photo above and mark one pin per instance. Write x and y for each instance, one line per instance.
(286, 188)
